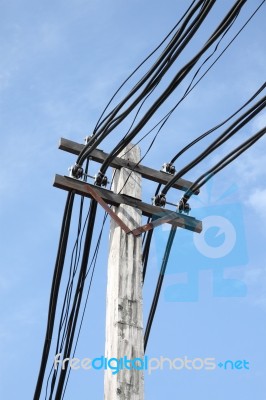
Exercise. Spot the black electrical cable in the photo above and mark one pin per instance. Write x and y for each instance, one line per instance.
(223, 163)
(104, 132)
(138, 110)
(159, 286)
(73, 266)
(76, 314)
(71, 318)
(232, 158)
(217, 126)
(161, 59)
(148, 237)
(139, 66)
(145, 252)
(69, 289)
(235, 127)
(55, 290)
(184, 95)
(174, 83)
(138, 163)
(68, 294)
(190, 88)
(229, 158)
(78, 296)
(169, 114)
(92, 265)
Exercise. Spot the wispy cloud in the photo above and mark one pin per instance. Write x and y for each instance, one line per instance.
(257, 200)
(255, 279)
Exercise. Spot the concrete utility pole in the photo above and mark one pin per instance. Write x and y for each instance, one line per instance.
(124, 324)
(124, 315)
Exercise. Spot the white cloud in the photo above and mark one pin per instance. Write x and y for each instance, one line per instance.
(250, 167)
(259, 122)
(255, 279)
(257, 200)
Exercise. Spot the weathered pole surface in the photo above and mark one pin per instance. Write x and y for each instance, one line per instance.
(124, 314)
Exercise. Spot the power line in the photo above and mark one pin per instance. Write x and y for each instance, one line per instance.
(159, 286)
(223, 163)
(155, 69)
(197, 185)
(148, 237)
(192, 20)
(140, 65)
(55, 289)
(78, 296)
(229, 132)
(75, 257)
(190, 87)
(174, 83)
(165, 119)
(92, 265)
(104, 131)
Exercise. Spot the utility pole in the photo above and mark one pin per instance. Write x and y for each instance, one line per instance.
(124, 319)
(124, 314)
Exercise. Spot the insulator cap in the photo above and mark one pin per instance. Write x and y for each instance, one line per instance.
(101, 179)
(169, 168)
(77, 171)
(183, 206)
(159, 200)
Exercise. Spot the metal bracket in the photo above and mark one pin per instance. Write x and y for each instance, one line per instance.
(153, 224)
(105, 198)
(137, 231)
(108, 209)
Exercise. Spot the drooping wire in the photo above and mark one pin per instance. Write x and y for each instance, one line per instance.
(55, 290)
(78, 296)
(68, 337)
(115, 121)
(190, 88)
(140, 65)
(233, 128)
(77, 251)
(204, 178)
(159, 286)
(163, 58)
(75, 256)
(92, 265)
(166, 118)
(68, 295)
(148, 237)
(174, 83)
(229, 158)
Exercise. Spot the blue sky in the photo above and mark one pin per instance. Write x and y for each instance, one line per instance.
(60, 62)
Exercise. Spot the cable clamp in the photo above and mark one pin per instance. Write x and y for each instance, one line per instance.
(159, 200)
(168, 168)
(76, 171)
(100, 179)
(183, 206)
(89, 140)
